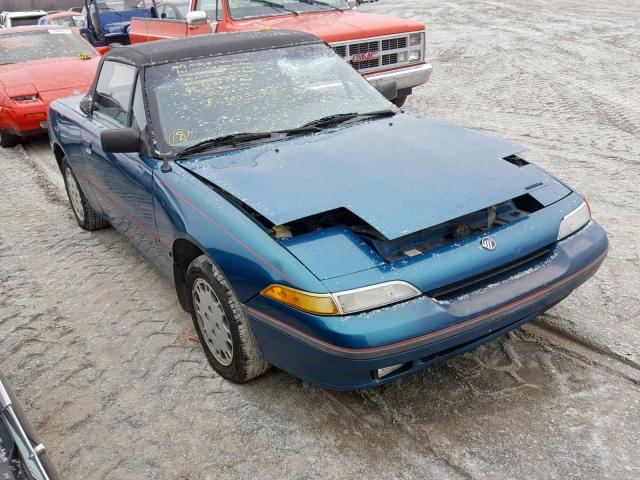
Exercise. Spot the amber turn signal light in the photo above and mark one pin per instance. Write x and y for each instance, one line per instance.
(319, 304)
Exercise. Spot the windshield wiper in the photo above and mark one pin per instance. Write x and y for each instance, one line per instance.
(233, 139)
(332, 120)
(320, 2)
(276, 5)
(242, 138)
(376, 113)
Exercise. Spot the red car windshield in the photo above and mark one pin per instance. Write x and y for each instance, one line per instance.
(40, 44)
(24, 21)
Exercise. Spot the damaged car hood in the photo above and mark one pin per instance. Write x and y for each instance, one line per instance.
(400, 175)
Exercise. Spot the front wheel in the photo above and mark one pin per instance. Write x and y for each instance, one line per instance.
(222, 327)
(8, 140)
(86, 216)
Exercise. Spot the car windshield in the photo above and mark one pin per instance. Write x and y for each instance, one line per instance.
(36, 45)
(263, 91)
(69, 21)
(25, 21)
(244, 9)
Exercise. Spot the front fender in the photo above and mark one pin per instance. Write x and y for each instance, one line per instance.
(185, 207)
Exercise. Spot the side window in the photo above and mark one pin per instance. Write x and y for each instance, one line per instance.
(138, 117)
(113, 93)
(167, 11)
(211, 7)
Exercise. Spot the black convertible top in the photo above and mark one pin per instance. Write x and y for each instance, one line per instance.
(198, 46)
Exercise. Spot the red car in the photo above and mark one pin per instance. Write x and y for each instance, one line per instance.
(39, 64)
(66, 19)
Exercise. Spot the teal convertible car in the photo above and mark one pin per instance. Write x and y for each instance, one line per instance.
(306, 222)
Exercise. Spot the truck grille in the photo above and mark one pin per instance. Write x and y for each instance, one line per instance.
(341, 50)
(356, 48)
(394, 43)
(373, 54)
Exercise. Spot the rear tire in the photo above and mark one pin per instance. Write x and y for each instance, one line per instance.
(8, 140)
(86, 216)
(222, 327)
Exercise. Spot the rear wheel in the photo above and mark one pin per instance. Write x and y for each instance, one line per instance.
(8, 140)
(222, 327)
(86, 216)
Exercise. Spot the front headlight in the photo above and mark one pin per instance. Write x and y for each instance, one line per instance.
(574, 221)
(416, 39)
(374, 296)
(415, 56)
(342, 303)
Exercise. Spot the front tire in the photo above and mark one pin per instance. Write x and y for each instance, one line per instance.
(86, 216)
(222, 327)
(8, 140)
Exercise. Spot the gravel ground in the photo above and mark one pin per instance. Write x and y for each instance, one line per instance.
(94, 342)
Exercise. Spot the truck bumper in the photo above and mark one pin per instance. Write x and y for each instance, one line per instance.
(541, 285)
(406, 77)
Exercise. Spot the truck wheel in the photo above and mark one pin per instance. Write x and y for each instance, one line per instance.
(399, 101)
(86, 216)
(223, 329)
(7, 140)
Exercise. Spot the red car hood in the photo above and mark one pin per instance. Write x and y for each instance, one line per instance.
(49, 74)
(335, 26)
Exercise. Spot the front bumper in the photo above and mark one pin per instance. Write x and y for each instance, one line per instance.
(405, 77)
(449, 328)
(24, 121)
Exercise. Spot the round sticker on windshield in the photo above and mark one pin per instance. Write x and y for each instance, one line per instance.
(178, 137)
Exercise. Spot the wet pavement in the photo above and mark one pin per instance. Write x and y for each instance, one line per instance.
(94, 342)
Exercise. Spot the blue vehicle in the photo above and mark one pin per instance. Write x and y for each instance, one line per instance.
(108, 21)
(306, 222)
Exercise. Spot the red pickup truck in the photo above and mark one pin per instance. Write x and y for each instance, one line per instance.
(380, 47)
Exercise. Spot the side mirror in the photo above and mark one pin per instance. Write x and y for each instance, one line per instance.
(120, 140)
(388, 89)
(196, 18)
(86, 105)
(352, 3)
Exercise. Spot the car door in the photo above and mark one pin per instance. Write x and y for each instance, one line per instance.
(122, 182)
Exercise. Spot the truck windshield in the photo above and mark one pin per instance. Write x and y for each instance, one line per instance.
(263, 91)
(40, 44)
(121, 5)
(245, 9)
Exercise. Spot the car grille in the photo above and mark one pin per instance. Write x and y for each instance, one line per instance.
(374, 54)
(465, 285)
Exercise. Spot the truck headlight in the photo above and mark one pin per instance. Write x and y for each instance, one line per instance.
(416, 39)
(574, 221)
(342, 303)
(415, 56)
